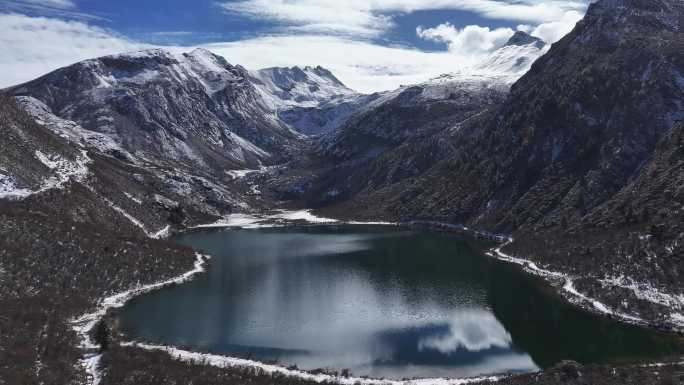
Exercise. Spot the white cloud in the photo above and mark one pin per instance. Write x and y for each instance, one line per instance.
(330, 33)
(361, 65)
(33, 46)
(373, 17)
(469, 41)
(553, 31)
(333, 34)
(64, 4)
(346, 17)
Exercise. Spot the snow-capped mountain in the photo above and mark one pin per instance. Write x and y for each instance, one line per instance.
(514, 59)
(501, 68)
(308, 87)
(395, 116)
(193, 109)
(310, 99)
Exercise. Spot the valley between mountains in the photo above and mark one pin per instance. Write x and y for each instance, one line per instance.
(570, 155)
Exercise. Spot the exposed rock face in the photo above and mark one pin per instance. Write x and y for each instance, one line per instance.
(43, 153)
(521, 38)
(190, 109)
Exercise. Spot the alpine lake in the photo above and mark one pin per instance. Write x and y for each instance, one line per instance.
(380, 301)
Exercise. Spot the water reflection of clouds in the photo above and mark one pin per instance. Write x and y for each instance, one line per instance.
(473, 330)
(389, 320)
(273, 247)
(499, 364)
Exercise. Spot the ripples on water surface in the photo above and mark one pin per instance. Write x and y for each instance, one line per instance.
(380, 301)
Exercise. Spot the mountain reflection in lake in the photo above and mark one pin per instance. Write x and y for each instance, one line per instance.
(380, 301)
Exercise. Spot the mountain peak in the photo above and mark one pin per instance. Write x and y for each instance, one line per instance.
(521, 38)
(286, 77)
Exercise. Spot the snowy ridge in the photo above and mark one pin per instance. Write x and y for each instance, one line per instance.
(309, 100)
(309, 87)
(63, 171)
(497, 72)
(68, 129)
(211, 71)
(188, 108)
(511, 61)
(500, 69)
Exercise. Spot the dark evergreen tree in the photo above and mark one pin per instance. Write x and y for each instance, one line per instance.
(102, 335)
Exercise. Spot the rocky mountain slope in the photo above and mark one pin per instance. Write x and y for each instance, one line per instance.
(185, 110)
(396, 135)
(76, 223)
(554, 163)
(413, 111)
(310, 99)
(44, 152)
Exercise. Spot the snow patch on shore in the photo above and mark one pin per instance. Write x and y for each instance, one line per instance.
(303, 215)
(527, 265)
(568, 285)
(279, 219)
(230, 362)
(647, 292)
(84, 324)
(163, 233)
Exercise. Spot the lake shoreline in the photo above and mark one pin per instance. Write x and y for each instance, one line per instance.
(229, 362)
(566, 290)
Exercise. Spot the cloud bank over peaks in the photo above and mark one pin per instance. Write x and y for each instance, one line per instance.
(478, 40)
(471, 41)
(33, 46)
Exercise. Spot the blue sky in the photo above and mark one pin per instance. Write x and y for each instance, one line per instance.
(369, 44)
